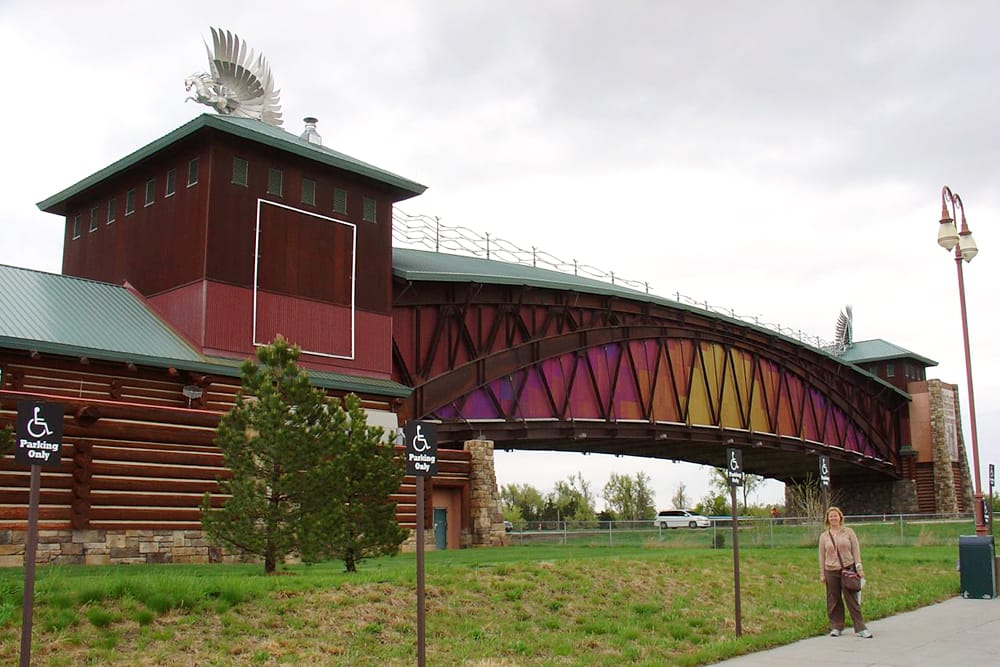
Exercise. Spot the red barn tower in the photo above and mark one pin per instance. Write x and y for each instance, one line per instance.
(235, 231)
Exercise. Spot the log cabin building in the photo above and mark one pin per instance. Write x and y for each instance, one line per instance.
(180, 259)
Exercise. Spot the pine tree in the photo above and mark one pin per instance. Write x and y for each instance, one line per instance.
(267, 442)
(308, 476)
(362, 524)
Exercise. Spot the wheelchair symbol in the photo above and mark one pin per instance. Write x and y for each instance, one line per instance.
(37, 426)
(420, 443)
(824, 469)
(734, 465)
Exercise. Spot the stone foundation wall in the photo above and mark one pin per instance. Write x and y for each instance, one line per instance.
(864, 497)
(103, 547)
(904, 497)
(888, 497)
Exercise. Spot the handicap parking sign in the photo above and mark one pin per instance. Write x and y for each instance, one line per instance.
(38, 439)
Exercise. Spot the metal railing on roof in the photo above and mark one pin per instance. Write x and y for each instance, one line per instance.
(429, 233)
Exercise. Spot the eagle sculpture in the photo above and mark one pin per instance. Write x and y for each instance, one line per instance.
(238, 84)
(844, 331)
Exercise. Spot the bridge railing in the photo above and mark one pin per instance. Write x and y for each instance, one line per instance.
(754, 532)
(426, 232)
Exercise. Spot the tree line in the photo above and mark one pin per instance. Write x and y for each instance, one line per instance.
(626, 498)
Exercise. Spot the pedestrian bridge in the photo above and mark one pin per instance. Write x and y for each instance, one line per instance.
(534, 359)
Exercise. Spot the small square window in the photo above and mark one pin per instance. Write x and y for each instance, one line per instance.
(93, 219)
(339, 200)
(130, 202)
(369, 211)
(274, 182)
(150, 192)
(240, 168)
(890, 371)
(308, 192)
(192, 172)
(76, 226)
(170, 182)
(112, 209)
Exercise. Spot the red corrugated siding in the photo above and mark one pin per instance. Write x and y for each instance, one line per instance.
(230, 326)
(184, 308)
(373, 344)
(317, 327)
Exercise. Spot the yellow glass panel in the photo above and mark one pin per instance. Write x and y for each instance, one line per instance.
(699, 398)
(732, 400)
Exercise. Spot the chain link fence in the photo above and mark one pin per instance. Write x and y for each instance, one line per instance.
(754, 532)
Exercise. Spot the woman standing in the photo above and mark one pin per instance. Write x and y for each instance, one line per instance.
(839, 550)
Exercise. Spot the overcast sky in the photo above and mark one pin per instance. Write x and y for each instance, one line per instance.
(781, 159)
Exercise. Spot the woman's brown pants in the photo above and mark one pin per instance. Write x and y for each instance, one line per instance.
(836, 596)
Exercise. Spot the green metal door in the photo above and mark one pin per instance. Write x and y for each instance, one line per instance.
(441, 527)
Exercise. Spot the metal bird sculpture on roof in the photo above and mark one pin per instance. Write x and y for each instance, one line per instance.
(844, 332)
(239, 84)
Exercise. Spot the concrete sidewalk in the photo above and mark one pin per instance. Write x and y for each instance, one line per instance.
(956, 633)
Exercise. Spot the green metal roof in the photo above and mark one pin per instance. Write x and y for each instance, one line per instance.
(410, 264)
(865, 351)
(245, 128)
(63, 315)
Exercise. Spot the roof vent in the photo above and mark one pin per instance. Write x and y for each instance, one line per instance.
(310, 134)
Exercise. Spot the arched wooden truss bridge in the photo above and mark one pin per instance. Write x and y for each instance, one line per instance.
(538, 360)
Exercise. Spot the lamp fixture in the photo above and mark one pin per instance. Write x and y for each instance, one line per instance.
(962, 243)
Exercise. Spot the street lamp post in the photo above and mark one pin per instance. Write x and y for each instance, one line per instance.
(960, 240)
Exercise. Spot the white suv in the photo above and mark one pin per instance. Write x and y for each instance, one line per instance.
(680, 519)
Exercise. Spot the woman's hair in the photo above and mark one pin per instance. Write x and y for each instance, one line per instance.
(826, 516)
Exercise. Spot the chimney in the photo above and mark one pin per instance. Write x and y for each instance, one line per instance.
(310, 134)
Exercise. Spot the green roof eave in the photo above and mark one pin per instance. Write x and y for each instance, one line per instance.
(245, 128)
(325, 379)
(870, 351)
(211, 365)
(67, 350)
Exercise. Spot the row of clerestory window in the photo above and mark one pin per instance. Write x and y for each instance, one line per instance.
(110, 213)
(276, 187)
(241, 168)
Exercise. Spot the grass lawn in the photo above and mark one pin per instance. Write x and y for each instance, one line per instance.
(536, 605)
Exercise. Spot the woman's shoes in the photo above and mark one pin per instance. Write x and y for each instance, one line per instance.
(836, 633)
(865, 634)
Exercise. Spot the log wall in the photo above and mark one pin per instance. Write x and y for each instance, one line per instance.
(137, 459)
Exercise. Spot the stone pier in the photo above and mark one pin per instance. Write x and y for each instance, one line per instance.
(487, 518)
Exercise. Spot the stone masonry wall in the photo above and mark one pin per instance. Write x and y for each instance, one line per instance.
(102, 547)
(945, 500)
(487, 518)
(948, 499)
(966, 491)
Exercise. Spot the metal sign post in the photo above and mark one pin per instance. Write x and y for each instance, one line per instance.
(824, 480)
(992, 481)
(421, 461)
(37, 443)
(734, 473)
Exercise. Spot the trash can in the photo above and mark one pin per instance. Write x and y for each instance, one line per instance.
(975, 562)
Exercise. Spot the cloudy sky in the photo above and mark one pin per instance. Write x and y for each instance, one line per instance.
(780, 159)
